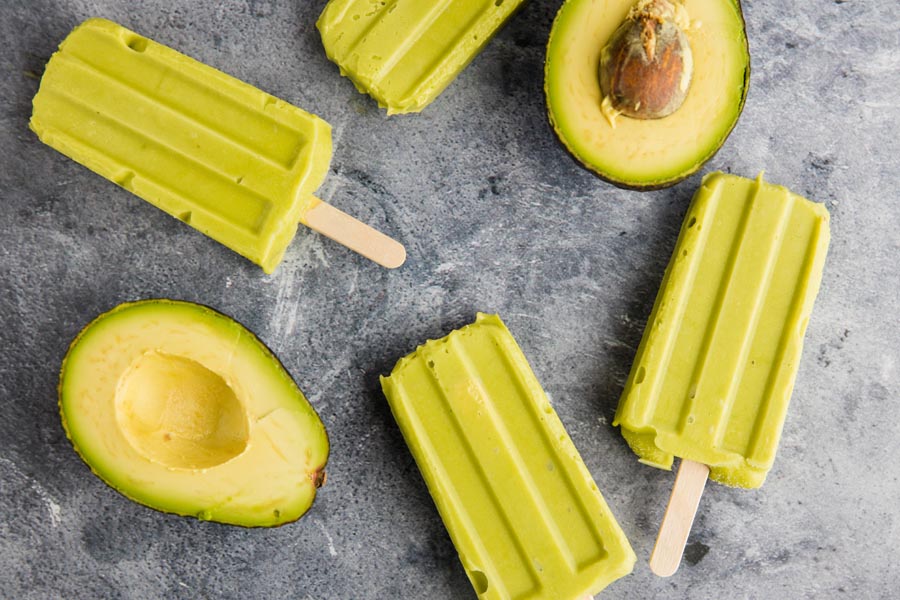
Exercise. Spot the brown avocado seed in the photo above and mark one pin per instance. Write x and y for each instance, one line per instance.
(646, 67)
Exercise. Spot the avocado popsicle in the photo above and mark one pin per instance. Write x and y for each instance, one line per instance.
(521, 507)
(219, 154)
(404, 53)
(714, 372)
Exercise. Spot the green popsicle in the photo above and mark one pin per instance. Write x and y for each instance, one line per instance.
(521, 507)
(404, 53)
(714, 372)
(713, 375)
(219, 154)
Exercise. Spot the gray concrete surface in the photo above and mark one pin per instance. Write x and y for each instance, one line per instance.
(496, 217)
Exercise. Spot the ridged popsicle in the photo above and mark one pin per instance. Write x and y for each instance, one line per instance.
(227, 158)
(714, 372)
(404, 53)
(521, 507)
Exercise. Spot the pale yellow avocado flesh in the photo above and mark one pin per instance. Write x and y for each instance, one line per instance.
(184, 410)
(645, 153)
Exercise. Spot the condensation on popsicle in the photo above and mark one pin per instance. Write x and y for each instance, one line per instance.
(715, 369)
(521, 507)
(219, 154)
(404, 53)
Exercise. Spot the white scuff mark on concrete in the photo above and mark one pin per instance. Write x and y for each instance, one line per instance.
(55, 511)
(878, 63)
(590, 355)
(286, 312)
(52, 506)
(307, 248)
(524, 316)
(331, 549)
(887, 367)
(354, 281)
(614, 343)
(228, 282)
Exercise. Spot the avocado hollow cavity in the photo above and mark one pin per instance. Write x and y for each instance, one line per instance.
(176, 412)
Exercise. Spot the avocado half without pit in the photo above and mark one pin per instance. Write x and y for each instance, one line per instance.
(182, 409)
(643, 93)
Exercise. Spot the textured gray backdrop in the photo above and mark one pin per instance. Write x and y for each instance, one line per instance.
(496, 217)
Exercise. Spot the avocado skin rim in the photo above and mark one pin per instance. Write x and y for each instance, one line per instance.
(319, 472)
(650, 187)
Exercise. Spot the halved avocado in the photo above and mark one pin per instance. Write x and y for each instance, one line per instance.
(182, 409)
(649, 153)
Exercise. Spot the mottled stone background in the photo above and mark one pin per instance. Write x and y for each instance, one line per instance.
(496, 217)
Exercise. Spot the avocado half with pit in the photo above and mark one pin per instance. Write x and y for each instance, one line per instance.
(602, 113)
(182, 409)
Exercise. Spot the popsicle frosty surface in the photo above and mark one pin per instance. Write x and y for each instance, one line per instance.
(521, 507)
(404, 53)
(714, 372)
(217, 153)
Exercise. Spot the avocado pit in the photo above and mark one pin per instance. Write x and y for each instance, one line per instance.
(647, 65)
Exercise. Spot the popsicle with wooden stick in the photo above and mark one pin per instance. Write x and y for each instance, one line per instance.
(219, 154)
(715, 369)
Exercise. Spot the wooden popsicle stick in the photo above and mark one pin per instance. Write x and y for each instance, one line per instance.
(679, 517)
(356, 235)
